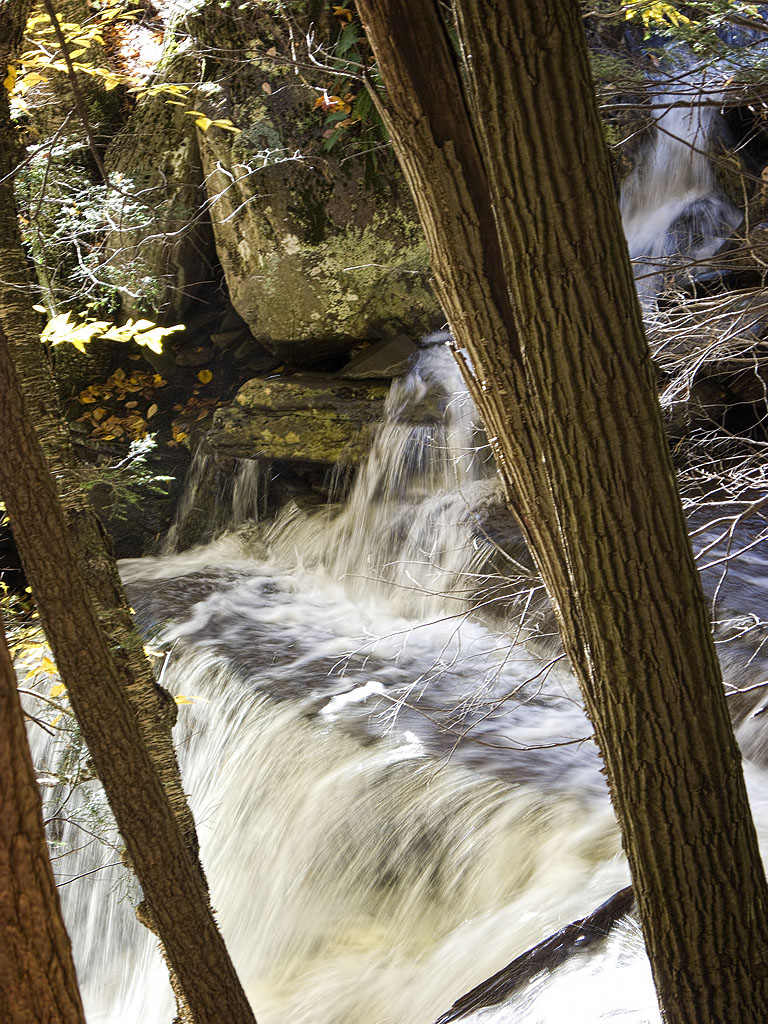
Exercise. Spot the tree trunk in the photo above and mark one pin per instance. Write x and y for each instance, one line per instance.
(153, 707)
(37, 975)
(172, 885)
(513, 183)
(22, 326)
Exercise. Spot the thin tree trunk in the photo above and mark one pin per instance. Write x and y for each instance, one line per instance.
(171, 882)
(37, 975)
(22, 326)
(567, 392)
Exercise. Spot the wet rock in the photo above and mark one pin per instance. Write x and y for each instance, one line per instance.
(390, 358)
(197, 356)
(304, 419)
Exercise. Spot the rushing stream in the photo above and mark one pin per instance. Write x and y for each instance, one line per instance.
(394, 797)
(394, 785)
(674, 212)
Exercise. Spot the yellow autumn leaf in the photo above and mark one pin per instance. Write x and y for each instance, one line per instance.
(10, 79)
(227, 125)
(58, 689)
(124, 333)
(55, 325)
(205, 376)
(30, 80)
(181, 699)
(151, 410)
(203, 122)
(153, 338)
(60, 330)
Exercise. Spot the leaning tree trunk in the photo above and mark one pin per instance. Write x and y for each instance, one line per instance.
(173, 887)
(22, 325)
(37, 975)
(512, 179)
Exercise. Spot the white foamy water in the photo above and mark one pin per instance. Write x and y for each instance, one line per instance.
(675, 214)
(394, 798)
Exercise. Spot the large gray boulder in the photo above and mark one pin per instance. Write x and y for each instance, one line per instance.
(315, 254)
(318, 249)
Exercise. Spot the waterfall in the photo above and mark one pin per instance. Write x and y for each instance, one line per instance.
(675, 215)
(406, 530)
(393, 798)
(219, 494)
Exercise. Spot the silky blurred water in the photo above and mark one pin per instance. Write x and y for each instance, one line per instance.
(395, 796)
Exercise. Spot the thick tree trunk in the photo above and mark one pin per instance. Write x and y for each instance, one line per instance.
(37, 975)
(515, 184)
(172, 885)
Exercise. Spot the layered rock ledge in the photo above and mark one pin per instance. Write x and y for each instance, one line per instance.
(304, 418)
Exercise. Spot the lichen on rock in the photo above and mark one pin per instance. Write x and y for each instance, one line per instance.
(310, 419)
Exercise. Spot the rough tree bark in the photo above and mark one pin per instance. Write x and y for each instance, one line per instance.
(37, 975)
(169, 877)
(153, 708)
(22, 326)
(508, 166)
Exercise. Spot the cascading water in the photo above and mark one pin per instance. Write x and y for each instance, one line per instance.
(406, 529)
(675, 215)
(393, 800)
(216, 499)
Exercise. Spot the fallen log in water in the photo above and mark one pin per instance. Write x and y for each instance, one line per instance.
(545, 956)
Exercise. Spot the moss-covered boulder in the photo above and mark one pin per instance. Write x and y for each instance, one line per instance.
(320, 247)
(312, 263)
